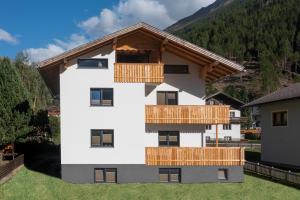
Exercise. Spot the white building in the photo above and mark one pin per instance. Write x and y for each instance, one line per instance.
(133, 110)
(226, 132)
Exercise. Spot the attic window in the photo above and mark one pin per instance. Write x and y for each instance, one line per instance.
(93, 63)
(176, 69)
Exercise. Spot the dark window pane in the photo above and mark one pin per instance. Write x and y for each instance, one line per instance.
(96, 138)
(161, 98)
(102, 97)
(169, 175)
(171, 98)
(222, 174)
(95, 97)
(99, 175)
(176, 69)
(168, 138)
(111, 175)
(174, 175)
(93, 63)
(107, 99)
(133, 58)
(167, 98)
(107, 138)
(279, 118)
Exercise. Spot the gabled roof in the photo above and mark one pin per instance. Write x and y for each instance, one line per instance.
(212, 66)
(286, 93)
(147, 27)
(227, 99)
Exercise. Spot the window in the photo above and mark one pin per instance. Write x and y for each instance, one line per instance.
(176, 69)
(207, 138)
(168, 138)
(102, 138)
(105, 175)
(208, 126)
(169, 175)
(133, 58)
(93, 63)
(167, 98)
(222, 174)
(228, 138)
(279, 118)
(232, 114)
(101, 97)
(226, 126)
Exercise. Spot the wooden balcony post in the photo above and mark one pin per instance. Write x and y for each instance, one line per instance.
(217, 136)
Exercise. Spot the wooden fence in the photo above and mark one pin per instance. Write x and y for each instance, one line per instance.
(187, 114)
(11, 166)
(194, 156)
(273, 173)
(138, 72)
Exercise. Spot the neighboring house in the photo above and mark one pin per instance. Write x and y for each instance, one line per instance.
(132, 110)
(227, 132)
(280, 125)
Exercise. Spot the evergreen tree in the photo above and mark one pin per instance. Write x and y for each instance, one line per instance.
(15, 109)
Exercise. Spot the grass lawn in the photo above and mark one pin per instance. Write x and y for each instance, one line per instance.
(28, 184)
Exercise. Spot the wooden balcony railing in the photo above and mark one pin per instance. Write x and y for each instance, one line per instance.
(193, 156)
(177, 114)
(138, 73)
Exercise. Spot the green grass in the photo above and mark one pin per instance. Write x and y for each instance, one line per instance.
(28, 184)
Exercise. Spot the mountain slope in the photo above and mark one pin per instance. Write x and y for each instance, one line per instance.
(203, 12)
(263, 35)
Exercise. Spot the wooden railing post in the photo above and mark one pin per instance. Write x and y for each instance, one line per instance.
(217, 136)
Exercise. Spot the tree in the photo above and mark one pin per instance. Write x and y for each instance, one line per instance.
(15, 109)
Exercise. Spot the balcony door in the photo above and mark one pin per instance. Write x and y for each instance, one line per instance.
(167, 98)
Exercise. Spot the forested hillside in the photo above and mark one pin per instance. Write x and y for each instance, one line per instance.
(264, 35)
(23, 96)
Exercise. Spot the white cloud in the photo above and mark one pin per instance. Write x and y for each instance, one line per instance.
(7, 37)
(55, 48)
(159, 13)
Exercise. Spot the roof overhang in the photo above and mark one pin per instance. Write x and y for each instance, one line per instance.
(213, 66)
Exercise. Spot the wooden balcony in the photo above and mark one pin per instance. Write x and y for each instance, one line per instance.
(183, 114)
(193, 156)
(138, 73)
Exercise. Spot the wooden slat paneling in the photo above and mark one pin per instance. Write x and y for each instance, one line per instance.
(187, 114)
(194, 156)
(138, 73)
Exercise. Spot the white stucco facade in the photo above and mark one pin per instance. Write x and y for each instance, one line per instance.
(234, 133)
(126, 116)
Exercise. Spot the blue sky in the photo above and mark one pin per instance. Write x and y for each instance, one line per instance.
(49, 27)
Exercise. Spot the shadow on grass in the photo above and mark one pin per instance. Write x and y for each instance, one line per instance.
(41, 157)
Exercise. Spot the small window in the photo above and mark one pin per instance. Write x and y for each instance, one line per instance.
(102, 138)
(101, 97)
(226, 126)
(93, 63)
(133, 57)
(232, 114)
(222, 174)
(105, 175)
(167, 98)
(227, 138)
(279, 118)
(168, 138)
(208, 126)
(207, 138)
(176, 69)
(169, 175)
